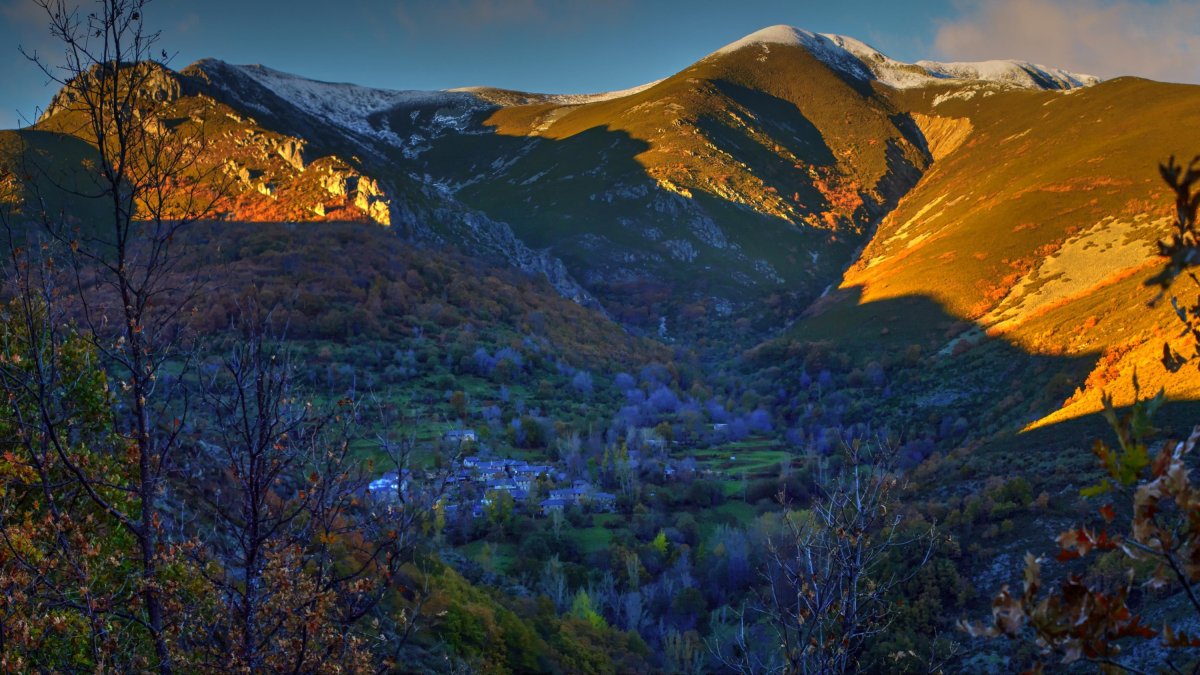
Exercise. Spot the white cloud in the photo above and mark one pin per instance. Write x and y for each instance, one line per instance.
(474, 15)
(189, 23)
(1158, 40)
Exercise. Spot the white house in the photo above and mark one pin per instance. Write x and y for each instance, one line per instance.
(460, 436)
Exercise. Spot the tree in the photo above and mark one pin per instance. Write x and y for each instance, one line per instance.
(122, 272)
(1182, 251)
(665, 433)
(659, 543)
(684, 652)
(63, 560)
(458, 402)
(582, 607)
(262, 478)
(828, 580)
(499, 507)
(553, 583)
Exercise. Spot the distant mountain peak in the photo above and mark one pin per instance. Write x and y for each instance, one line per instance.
(492, 93)
(821, 46)
(859, 60)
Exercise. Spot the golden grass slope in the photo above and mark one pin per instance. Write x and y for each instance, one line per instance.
(772, 129)
(1037, 222)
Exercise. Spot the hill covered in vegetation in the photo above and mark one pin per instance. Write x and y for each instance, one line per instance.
(531, 383)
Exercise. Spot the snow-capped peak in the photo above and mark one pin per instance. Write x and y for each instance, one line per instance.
(820, 46)
(858, 59)
(776, 35)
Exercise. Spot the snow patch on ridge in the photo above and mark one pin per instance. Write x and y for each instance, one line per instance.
(1018, 73)
(858, 59)
(348, 105)
(568, 99)
(579, 99)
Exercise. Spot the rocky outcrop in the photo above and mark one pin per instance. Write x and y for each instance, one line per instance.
(335, 183)
(370, 198)
(158, 85)
(943, 135)
(235, 170)
(368, 195)
(476, 232)
(292, 151)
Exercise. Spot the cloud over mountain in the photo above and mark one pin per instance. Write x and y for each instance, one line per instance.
(1159, 40)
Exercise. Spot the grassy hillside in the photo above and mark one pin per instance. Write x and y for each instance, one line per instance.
(746, 174)
(40, 168)
(739, 189)
(1047, 250)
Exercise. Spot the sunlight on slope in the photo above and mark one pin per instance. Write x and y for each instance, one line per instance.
(1106, 250)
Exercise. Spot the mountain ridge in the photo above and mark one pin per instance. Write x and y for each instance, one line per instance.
(859, 59)
(756, 173)
(839, 51)
(411, 123)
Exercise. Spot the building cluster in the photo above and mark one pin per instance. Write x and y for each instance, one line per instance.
(581, 494)
(479, 479)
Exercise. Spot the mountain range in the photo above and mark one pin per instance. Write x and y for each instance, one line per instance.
(797, 236)
(779, 188)
(781, 167)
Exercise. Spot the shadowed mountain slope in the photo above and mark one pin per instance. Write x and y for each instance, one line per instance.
(1051, 246)
(1019, 198)
(739, 187)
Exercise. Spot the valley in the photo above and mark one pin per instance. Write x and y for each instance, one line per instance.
(568, 383)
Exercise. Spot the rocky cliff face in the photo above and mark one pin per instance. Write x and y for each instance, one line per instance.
(943, 135)
(157, 85)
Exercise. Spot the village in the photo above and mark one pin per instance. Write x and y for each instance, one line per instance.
(480, 478)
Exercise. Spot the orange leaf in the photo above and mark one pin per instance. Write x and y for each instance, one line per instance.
(1108, 513)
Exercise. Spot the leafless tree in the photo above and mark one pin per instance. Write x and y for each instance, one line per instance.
(286, 496)
(830, 573)
(126, 290)
(404, 518)
(256, 441)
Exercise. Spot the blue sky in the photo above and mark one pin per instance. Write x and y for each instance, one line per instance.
(583, 46)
